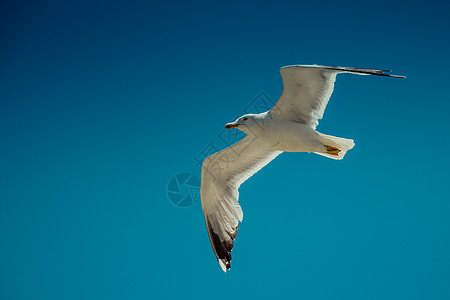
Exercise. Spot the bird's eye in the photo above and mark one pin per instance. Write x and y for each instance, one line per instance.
(244, 119)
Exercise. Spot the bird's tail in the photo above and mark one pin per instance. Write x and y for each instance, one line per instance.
(335, 147)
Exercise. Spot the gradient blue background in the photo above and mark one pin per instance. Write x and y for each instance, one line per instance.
(101, 103)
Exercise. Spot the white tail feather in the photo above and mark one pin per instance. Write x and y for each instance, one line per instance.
(342, 144)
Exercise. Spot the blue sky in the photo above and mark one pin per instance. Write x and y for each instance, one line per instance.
(102, 103)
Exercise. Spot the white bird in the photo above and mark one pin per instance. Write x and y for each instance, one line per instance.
(288, 127)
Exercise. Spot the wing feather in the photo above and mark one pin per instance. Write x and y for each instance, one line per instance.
(222, 175)
(307, 90)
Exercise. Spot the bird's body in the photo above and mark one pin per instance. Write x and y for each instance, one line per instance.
(283, 135)
(290, 126)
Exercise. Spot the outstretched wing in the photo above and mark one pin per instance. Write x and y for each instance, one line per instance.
(307, 89)
(222, 174)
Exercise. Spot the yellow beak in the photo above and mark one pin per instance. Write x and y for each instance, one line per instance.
(231, 125)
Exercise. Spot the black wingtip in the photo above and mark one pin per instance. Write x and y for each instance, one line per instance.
(390, 75)
(222, 246)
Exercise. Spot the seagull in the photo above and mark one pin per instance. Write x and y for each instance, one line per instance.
(288, 127)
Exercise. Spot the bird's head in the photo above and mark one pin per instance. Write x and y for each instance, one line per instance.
(243, 123)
